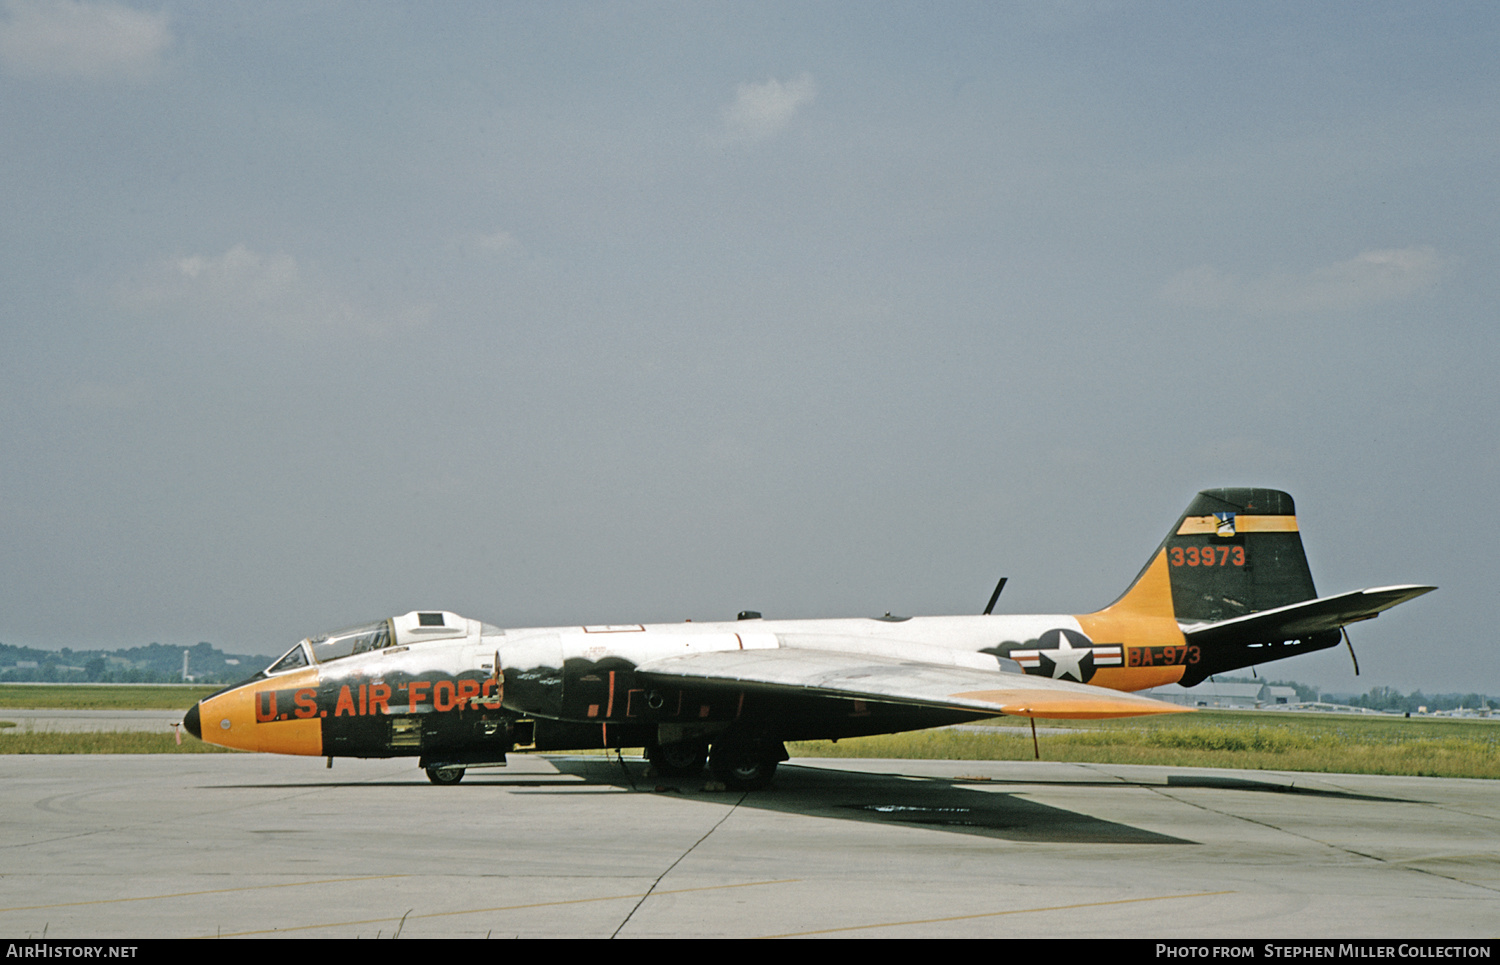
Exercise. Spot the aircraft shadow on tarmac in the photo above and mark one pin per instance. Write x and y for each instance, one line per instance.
(960, 805)
(943, 804)
(1246, 784)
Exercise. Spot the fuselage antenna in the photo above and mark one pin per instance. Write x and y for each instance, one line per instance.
(995, 596)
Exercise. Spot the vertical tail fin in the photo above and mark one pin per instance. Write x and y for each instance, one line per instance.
(1233, 552)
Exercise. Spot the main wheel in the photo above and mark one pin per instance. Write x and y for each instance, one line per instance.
(678, 760)
(743, 767)
(444, 775)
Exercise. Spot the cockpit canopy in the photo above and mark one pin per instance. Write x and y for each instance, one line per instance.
(402, 631)
(343, 643)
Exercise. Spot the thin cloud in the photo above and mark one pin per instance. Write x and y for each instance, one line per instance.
(106, 396)
(91, 41)
(761, 110)
(248, 288)
(1369, 278)
(498, 242)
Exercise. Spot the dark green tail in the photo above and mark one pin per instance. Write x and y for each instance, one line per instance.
(1234, 552)
(1234, 577)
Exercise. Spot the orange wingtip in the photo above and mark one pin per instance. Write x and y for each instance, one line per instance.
(1050, 704)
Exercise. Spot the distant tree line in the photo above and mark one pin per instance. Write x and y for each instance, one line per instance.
(154, 663)
(1392, 700)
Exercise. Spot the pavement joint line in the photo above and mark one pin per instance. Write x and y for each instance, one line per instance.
(151, 822)
(481, 911)
(1164, 792)
(1326, 844)
(1479, 815)
(997, 914)
(194, 894)
(668, 870)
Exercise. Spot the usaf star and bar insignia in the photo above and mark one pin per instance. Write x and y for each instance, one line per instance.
(1067, 655)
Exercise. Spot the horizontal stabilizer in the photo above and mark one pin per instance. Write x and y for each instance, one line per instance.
(1302, 619)
(893, 680)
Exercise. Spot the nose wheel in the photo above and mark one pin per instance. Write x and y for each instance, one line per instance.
(444, 775)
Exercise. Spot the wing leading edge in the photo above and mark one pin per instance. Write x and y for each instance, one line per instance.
(893, 680)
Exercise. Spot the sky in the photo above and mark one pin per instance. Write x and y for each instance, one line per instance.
(546, 314)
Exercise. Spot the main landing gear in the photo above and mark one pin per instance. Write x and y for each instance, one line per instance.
(739, 763)
(746, 765)
(678, 760)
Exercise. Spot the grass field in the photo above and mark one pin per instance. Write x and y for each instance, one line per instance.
(21, 741)
(1432, 747)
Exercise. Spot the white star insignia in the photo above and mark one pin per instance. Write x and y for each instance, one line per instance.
(1067, 660)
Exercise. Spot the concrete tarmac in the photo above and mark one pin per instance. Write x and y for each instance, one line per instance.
(250, 845)
(89, 721)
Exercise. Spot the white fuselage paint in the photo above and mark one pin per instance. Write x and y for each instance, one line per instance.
(954, 640)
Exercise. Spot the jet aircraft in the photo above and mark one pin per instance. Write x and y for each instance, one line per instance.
(1229, 587)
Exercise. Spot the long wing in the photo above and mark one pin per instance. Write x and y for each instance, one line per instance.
(1311, 616)
(832, 673)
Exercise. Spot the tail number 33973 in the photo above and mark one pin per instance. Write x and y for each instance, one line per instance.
(1207, 555)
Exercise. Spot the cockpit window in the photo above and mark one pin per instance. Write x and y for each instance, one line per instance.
(343, 643)
(291, 660)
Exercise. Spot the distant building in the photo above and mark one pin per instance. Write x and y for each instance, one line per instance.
(1227, 694)
(1282, 696)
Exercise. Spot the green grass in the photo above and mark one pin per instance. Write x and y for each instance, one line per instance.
(103, 742)
(25, 740)
(94, 697)
(1289, 742)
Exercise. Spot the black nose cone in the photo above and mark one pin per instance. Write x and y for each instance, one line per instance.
(190, 721)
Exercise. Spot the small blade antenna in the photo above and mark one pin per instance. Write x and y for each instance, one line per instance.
(995, 596)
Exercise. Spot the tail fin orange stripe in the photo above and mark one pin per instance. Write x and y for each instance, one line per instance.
(1151, 596)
